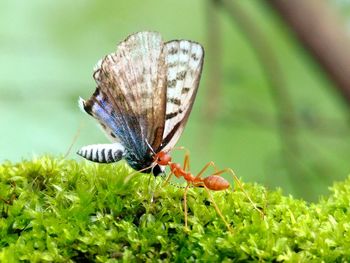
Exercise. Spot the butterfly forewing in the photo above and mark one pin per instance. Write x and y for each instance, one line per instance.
(184, 61)
(133, 82)
(138, 75)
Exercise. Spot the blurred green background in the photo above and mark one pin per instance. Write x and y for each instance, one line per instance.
(48, 50)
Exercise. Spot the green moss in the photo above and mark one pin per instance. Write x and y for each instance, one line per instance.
(60, 210)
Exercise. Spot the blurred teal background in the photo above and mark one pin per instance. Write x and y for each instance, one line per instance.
(48, 50)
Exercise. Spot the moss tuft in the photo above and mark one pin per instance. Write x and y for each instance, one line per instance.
(60, 210)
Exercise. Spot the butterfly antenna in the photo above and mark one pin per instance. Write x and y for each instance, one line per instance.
(150, 147)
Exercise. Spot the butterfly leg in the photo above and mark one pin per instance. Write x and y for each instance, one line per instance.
(129, 176)
(185, 203)
(152, 187)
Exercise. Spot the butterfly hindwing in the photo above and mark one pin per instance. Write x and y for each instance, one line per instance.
(101, 115)
(184, 62)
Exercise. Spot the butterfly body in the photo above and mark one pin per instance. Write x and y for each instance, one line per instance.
(140, 164)
(144, 95)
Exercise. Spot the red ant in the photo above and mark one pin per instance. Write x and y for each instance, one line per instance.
(213, 182)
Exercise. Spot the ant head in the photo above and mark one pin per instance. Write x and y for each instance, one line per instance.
(162, 158)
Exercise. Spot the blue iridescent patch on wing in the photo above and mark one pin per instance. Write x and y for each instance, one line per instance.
(138, 155)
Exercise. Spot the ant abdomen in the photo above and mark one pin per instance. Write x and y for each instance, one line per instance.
(216, 183)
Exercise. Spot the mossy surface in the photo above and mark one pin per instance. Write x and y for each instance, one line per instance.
(56, 210)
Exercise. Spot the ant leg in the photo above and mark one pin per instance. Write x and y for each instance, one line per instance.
(217, 208)
(186, 166)
(235, 178)
(206, 167)
(185, 203)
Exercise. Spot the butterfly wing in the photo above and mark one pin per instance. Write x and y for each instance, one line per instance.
(130, 98)
(145, 94)
(184, 62)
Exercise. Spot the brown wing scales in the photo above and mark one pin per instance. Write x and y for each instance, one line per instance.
(134, 80)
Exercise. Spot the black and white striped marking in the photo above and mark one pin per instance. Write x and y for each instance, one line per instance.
(103, 153)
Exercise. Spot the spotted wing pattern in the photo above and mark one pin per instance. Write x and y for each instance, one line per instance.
(184, 62)
(129, 101)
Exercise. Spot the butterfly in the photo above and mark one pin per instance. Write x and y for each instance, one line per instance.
(144, 96)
